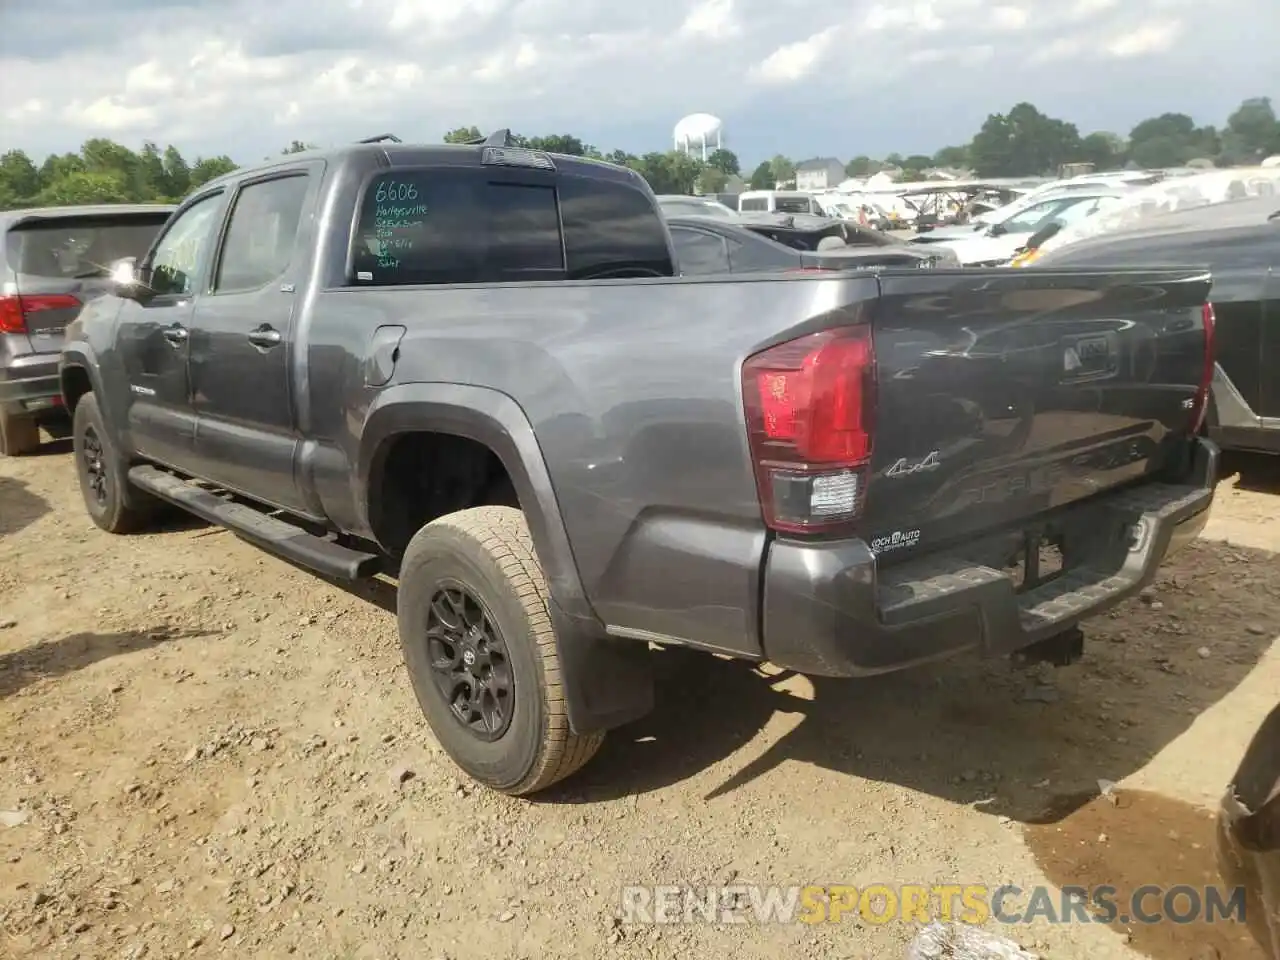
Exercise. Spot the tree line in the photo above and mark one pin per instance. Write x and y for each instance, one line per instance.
(1022, 142)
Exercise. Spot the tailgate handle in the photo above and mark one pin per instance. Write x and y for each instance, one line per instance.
(177, 334)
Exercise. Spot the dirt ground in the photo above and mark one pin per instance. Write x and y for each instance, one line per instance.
(204, 751)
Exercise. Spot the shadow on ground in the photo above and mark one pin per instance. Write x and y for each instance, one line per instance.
(56, 658)
(55, 447)
(1259, 472)
(19, 507)
(971, 731)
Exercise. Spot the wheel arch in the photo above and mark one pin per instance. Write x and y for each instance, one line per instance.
(607, 681)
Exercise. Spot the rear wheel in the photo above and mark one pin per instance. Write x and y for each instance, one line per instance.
(19, 434)
(478, 641)
(113, 504)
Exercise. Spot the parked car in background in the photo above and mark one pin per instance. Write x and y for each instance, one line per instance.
(1239, 240)
(681, 205)
(705, 245)
(53, 260)
(1001, 242)
(805, 232)
(779, 201)
(1168, 196)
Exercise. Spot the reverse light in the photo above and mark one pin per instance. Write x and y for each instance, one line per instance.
(1200, 405)
(16, 310)
(810, 410)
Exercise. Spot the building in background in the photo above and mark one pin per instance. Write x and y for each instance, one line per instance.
(699, 135)
(821, 173)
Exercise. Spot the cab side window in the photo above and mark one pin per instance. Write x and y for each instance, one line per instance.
(183, 250)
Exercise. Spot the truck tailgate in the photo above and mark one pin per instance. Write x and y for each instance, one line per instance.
(1004, 394)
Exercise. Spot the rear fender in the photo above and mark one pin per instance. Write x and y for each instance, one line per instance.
(607, 681)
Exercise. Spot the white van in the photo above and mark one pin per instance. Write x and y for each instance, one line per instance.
(779, 201)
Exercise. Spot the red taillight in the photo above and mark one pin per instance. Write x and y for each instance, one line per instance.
(1200, 407)
(810, 409)
(14, 310)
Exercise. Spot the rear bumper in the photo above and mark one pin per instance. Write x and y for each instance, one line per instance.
(30, 382)
(828, 611)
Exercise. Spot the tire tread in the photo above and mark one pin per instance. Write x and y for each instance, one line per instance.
(504, 535)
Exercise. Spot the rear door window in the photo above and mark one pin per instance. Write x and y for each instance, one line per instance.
(262, 233)
(451, 225)
(754, 203)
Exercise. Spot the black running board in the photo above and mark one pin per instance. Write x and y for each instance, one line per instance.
(271, 533)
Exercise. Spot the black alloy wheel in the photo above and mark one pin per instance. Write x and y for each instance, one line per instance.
(469, 661)
(93, 463)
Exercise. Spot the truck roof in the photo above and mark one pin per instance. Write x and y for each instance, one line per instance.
(434, 154)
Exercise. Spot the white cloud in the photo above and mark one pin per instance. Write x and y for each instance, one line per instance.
(245, 77)
(795, 61)
(712, 20)
(1147, 39)
(1009, 18)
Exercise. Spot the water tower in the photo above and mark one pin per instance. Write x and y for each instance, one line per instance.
(699, 135)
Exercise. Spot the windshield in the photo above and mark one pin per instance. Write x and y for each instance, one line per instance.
(1031, 217)
(1184, 193)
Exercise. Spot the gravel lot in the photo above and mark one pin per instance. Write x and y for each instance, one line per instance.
(208, 752)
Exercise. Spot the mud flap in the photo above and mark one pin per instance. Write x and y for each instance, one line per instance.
(1249, 833)
(606, 682)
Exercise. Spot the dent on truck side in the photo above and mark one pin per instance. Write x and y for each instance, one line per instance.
(606, 681)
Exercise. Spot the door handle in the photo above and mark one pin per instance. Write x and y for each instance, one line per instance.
(265, 336)
(176, 335)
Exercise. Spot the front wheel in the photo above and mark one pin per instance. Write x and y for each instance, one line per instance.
(476, 632)
(112, 503)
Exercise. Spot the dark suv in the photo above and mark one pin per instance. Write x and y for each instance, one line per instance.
(53, 260)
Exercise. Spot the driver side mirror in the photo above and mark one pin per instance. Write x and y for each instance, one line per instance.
(997, 230)
(127, 279)
(124, 278)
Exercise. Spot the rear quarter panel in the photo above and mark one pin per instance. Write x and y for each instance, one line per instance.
(632, 388)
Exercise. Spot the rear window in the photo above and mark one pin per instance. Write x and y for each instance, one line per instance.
(66, 249)
(791, 204)
(456, 226)
(466, 225)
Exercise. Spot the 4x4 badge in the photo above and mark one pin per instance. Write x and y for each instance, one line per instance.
(904, 467)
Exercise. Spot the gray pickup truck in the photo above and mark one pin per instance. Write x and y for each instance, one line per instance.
(472, 367)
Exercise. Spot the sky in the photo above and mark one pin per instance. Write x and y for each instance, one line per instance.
(798, 77)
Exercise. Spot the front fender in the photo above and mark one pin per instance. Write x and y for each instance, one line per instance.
(606, 681)
(79, 354)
